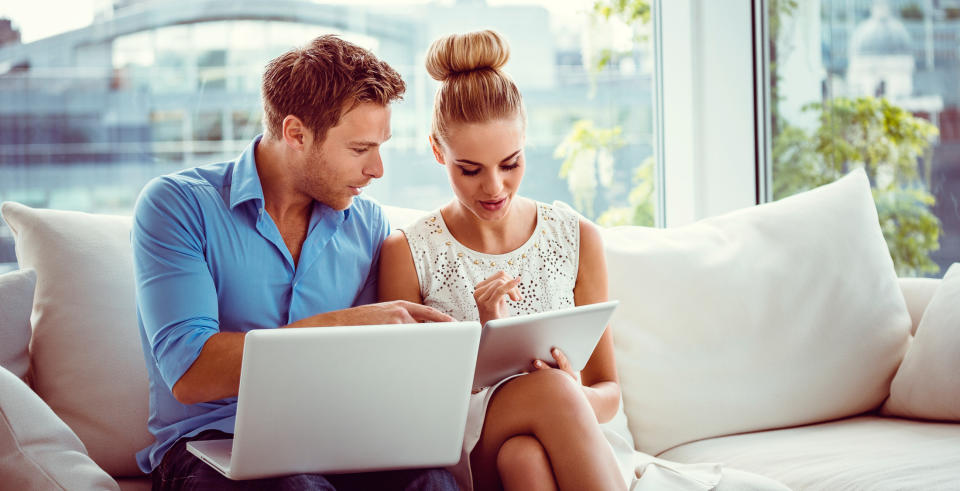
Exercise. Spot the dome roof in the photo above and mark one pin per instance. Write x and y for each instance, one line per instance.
(881, 34)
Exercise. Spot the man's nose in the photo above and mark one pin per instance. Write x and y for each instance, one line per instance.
(374, 168)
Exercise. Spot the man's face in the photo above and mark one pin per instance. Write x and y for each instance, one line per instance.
(349, 158)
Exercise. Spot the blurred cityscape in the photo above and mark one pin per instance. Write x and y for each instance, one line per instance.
(906, 51)
(88, 116)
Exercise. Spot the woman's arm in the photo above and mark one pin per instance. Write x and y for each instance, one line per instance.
(398, 275)
(599, 376)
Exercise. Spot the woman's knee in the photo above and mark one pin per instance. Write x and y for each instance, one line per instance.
(553, 389)
(522, 455)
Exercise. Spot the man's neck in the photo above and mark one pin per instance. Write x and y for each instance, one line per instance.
(281, 196)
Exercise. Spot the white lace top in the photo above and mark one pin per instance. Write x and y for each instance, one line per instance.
(448, 271)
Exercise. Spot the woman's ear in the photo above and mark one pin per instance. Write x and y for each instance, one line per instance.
(437, 152)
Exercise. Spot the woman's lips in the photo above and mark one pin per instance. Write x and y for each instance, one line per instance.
(493, 205)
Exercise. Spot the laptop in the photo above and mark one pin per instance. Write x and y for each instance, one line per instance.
(348, 399)
(509, 345)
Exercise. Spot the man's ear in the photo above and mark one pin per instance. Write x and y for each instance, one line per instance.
(295, 133)
(437, 152)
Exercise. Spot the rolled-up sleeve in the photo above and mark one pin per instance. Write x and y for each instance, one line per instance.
(176, 296)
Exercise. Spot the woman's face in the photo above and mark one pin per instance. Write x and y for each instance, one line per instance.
(485, 163)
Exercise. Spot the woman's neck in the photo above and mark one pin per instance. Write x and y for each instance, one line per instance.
(489, 236)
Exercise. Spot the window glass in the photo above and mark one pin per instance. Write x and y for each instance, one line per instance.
(150, 88)
(873, 84)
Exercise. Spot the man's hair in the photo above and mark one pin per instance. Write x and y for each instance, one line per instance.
(322, 81)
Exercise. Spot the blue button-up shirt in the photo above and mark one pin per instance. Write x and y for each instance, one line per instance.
(208, 258)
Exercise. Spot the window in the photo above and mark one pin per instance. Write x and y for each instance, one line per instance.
(873, 84)
(88, 118)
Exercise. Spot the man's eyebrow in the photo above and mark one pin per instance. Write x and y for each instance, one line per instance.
(364, 143)
(470, 162)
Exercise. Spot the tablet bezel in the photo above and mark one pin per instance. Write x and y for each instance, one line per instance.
(509, 345)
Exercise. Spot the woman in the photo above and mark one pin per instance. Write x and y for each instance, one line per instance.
(491, 253)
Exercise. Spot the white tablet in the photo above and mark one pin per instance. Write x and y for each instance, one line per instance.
(508, 346)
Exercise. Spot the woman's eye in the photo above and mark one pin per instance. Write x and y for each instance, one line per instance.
(469, 172)
(510, 167)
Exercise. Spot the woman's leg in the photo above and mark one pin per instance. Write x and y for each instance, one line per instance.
(550, 407)
(523, 464)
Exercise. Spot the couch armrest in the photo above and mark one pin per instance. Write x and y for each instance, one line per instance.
(37, 449)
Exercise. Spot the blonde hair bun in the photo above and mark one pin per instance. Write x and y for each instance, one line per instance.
(464, 53)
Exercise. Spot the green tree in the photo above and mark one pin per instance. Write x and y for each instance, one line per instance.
(587, 154)
(588, 150)
(888, 143)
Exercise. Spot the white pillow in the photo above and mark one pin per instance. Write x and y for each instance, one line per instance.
(87, 363)
(37, 450)
(16, 300)
(927, 385)
(781, 314)
(401, 217)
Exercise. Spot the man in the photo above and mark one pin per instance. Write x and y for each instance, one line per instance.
(278, 237)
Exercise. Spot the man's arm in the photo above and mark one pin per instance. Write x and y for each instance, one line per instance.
(216, 372)
(176, 296)
(178, 305)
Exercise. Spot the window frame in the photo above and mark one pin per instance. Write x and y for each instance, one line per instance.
(707, 95)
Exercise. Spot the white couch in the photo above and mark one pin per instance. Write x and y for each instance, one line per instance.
(765, 340)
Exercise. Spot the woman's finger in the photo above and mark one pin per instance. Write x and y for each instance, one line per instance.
(540, 365)
(562, 362)
(561, 358)
(510, 288)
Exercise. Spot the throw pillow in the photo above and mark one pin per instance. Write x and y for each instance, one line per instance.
(16, 301)
(37, 449)
(927, 385)
(86, 359)
(781, 314)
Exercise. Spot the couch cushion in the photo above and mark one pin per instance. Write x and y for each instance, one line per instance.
(866, 452)
(927, 385)
(781, 314)
(16, 300)
(37, 450)
(86, 359)
(401, 217)
(918, 292)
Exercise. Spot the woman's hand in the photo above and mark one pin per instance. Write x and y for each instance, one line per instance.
(562, 364)
(491, 296)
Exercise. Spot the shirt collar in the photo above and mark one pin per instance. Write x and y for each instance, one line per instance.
(246, 182)
(245, 185)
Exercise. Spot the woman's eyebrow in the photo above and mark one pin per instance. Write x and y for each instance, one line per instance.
(470, 162)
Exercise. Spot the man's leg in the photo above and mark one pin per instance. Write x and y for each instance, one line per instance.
(405, 480)
(181, 470)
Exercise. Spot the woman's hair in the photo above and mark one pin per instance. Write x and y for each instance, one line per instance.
(473, 88)
(323, 80)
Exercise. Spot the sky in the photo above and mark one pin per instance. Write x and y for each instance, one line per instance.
(33, 18)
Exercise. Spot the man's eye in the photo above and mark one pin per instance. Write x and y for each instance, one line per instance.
(360, 150)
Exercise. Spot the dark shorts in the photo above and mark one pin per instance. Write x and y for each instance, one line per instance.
(180, 469)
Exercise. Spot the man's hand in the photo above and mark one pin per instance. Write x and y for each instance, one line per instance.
(491, 295)
(395, 312)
